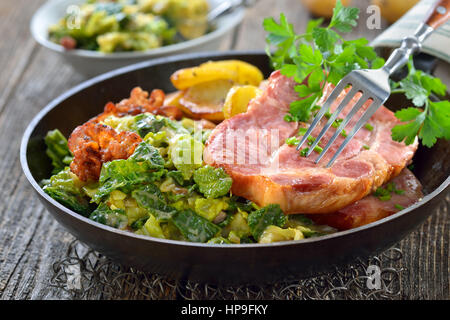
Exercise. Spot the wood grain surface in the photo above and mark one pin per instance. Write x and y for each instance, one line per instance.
(31, 240)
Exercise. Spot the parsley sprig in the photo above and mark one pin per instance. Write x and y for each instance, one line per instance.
(318, 56)
(322, 55)
(427, 119)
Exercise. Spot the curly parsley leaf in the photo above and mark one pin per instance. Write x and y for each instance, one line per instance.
(281, 35)
(344, 18)
(408, 132)
(436, 124)
(429, 124)
(325, 39)
(319, 56)
(408, 114)
(414, 92)
(322, 56)
(440, 113)
(418, 86)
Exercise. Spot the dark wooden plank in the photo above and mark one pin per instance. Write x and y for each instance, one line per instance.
(252, 36)
(426, 258)
(27, 230)
(31, 241)
(17, 45)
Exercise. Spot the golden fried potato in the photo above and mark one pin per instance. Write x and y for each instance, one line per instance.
(237, 100)
(237, 71)
(205, 100)
(323, 8)
(392, 10)
(172, 99)
(171, 112)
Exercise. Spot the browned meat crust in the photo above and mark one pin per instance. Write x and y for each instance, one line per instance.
(371, 208)
(251, 148)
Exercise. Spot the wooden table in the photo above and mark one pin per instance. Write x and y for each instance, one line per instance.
(31, 240)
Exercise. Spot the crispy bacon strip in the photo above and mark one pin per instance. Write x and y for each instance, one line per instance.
(140, 102)
(93, 144)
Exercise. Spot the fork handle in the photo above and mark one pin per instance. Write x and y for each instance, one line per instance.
(439, 14)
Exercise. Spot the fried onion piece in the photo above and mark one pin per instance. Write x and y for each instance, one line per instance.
(93, 144)
(171, 112)
(138, 102)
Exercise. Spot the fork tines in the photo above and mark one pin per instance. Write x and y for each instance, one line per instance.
(376, 103)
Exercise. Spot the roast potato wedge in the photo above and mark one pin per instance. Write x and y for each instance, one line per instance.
(172, 99)
(237, 71)
(205, 100)
(238, 98)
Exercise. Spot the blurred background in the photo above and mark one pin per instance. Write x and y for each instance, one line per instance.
(32, 75)
(22, 58)
(245, 33)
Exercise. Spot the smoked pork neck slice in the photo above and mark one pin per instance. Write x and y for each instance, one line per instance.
(371, 208)
(251, 148)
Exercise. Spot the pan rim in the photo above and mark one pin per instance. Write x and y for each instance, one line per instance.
(78, 88)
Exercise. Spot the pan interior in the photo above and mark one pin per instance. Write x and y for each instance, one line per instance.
(431, 165)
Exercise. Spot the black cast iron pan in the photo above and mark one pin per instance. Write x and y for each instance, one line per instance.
(226, 264)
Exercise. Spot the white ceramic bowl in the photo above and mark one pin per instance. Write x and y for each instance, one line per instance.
(91, 63)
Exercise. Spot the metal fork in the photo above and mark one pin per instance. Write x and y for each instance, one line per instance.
(373, 84)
